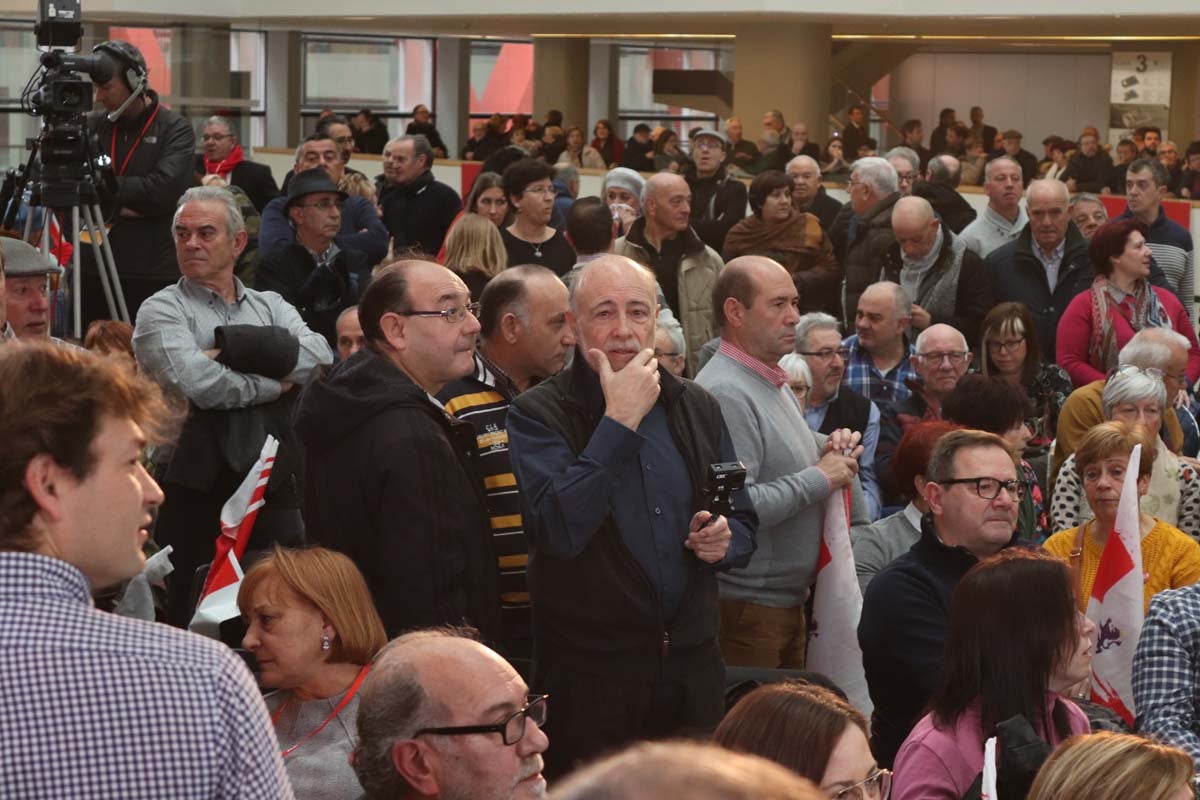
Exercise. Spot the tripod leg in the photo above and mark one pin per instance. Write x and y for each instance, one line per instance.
(76, 273)
(110, 264)
(90, 224)
(28, 223)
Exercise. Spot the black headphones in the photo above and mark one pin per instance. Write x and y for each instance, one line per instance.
(135, 74)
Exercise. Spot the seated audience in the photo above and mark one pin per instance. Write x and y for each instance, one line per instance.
(718, 199)
(1011, 148)
(1060, 152)
(973, 161)
(1134, 396)
(808, 194)
(579, 154)
(1090, 168)
(811, 731)
(937, 139)
(1014, 645)
(475, 252)
(442, 716)
(313, 273)
(639, 150)
(1114, 766)
(1000, 407)
(1127, 153)
(529, 186)
(652, 771)
(946, 282)
(956, 140)
(792, 238)
(835, 166)
(554, 142)
(606, 143)
(741, 153)
(313, 630)
(667, 155)
(370, 133)
(1189, 180)
(801, 144)
(886, 539)
(1170, 558)
(1088, 213)
(973, 495)
(422, 125)
(1009, 349)
(566, 189)
(879, 356)
(1098, 323)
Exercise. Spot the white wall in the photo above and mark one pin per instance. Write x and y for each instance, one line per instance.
(1038, 94)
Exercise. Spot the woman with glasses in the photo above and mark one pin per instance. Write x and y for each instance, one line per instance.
(579, 154)
(1121, 302)
(1114, 766)
(1010, 350)
(1136, 397)
(1014, 644)
(799, 377)
(313, 630)
(1170, 558)
(811, 731)
(792, 237)
(528, 184)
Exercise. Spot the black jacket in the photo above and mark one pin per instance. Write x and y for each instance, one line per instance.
(320, 295)
(853, 137)
(372, 140)
(950, 206)
(419, 213)
(427, 130)
(601, 603)
(848, 410)
(718, 203)
(255, 180)
(158, 172)
(825, 209)
(638, 156)
(1090, 174)
(1018, 276)
(390, 484)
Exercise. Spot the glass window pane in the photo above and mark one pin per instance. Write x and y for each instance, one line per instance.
(18, 60)
(155, 46)
(248, 54)
(349, 72)
(501, 77)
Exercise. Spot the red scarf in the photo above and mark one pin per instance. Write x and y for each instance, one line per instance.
(223, 168)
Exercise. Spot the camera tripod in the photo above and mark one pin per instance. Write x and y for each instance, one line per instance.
(80, 198)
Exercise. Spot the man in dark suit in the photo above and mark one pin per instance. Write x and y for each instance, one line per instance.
(223, 156)
(982, 131)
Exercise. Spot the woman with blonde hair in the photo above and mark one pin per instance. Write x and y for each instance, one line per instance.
(475, 251)
(1114, 766)
(313, 630)
(356, 184)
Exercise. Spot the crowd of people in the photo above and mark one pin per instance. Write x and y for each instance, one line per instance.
(497, 549)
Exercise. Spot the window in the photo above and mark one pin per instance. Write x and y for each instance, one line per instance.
(501, 78)
(635, 96)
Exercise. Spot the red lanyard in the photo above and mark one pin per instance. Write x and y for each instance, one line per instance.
(129, 155)
(353, 690)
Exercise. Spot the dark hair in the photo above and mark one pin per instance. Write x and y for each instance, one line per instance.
(1109, 241)
(1193, 149)
(1154, 167)
(961, 130)
(519, 174)
(54, 401)
(764, 185)
(986, 403)
(660, 144)
(945, 112)
(500, 160)
(870, 143)
(913, 451)
(856, 107)
(735, 283)
(503, 292)
(589, 224)
(1013, 319)
(386, 293)
(483, 181)
(641, 127)
(794, 724)
(1127, 143)
(332, 119)
(606, 124)
(1012, 624)
(417, 106)
(1144, 129)
(910, 125)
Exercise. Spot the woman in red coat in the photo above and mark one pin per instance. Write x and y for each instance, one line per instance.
(1121, 302)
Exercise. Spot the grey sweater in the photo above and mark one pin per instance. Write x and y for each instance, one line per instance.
(780, 453)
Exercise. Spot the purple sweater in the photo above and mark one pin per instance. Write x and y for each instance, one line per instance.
(935, 763)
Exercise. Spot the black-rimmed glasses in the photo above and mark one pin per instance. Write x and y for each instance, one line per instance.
(955, 357)
(511, 729)
(827, 354)
(876, 785)
(453, 315)
(988, 488)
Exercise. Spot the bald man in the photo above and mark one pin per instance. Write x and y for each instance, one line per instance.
(686, 268)
(424, 688)
(808, 194)
(946, 281)
(612, 457)
(790, 471)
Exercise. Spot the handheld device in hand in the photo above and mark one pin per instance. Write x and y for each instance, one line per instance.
(723, 480)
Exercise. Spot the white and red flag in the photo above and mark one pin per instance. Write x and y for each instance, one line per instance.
(1116, 604)
(833, 649)
(218, 600)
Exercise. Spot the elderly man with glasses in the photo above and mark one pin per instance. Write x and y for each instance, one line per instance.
(223, 155)
(941, 359)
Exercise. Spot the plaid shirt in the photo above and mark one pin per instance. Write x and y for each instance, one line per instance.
(99, 706)
(1166, 690)
(883, 389)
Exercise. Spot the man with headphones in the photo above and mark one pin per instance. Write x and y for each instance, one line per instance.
(152, 149)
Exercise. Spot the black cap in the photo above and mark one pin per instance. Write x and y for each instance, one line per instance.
(311, 181)
(641, 127)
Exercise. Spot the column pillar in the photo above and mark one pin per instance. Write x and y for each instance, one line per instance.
(200, 69)
(283, 89)
(560, 79)
(452, 94)
(784, 66)
(603, 82)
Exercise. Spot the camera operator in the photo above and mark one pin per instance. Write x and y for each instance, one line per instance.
(152, 149)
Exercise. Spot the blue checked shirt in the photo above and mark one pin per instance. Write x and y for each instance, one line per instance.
(1165, 680)
(882, 389)
(101, 707)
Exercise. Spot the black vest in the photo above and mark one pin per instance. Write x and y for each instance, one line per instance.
(848, 410)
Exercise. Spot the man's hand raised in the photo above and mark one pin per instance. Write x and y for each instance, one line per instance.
(630, 392)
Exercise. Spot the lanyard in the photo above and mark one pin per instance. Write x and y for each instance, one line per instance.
(353, 690)
(129, 155)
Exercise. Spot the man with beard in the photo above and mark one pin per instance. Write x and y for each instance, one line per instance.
(878, 354)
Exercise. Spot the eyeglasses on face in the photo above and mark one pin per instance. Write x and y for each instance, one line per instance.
(453, 315)
(827, 354)
(800, 390)
(988, 488)
(542, 190)
(511, 728)
(1006, 346)
(953, 356)
(876, 786)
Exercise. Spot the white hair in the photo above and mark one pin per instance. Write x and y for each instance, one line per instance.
(908, 154)
(814, 321)
(878, 174)
(796, 368)
(923, 335)
(234, 223)
(1131, 387)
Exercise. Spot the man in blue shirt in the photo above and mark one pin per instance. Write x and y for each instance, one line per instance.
(611, 456)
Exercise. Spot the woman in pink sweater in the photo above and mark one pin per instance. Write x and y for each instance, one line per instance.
(1014, 643)
(1098, 323)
